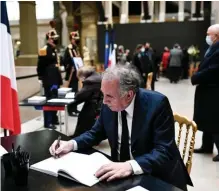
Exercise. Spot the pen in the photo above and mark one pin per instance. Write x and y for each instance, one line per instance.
(57, 145)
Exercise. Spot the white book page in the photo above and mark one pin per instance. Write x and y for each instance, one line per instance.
(84, 169)
(48, 166)
(80, 167)
(2, 151)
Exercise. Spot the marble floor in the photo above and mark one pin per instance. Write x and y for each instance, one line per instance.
(204, 174)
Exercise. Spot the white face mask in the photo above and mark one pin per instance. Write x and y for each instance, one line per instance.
(208, 40)
(142, 49)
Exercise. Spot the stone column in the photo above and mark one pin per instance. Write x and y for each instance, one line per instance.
(28, 34)
(147, 11)
(151, 9)
(89, 17)
(70, 17)
(65, 34)
(181, 11)
(202, 8)
(162, 11)
(108, 11)
(124, 16)
(142, 12)
(214, 12)
(193, 6)
(156, 11)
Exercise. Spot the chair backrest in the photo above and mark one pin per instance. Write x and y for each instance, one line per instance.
(149, 80)
(190, 125)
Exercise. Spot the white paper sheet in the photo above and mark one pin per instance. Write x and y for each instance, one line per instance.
(60, 100)
(2, 151)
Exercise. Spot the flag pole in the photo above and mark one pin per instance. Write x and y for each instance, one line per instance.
(106, 45)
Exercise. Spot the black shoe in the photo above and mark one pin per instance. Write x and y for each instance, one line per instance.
(201, 150)
(58, 123)
(73, 114)
(216, 158)
(77, 111)
(51, 126)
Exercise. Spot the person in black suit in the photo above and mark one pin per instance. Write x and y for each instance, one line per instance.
(49, 75)
(151, 63)
(185, 64)
(141, 62)
(71, 70)
(140, 128)
(207, 94)
(90, 94)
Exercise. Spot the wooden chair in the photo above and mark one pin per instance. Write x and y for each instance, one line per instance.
(149, 81)
(189, 125)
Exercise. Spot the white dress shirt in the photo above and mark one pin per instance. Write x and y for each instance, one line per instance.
(130, 109)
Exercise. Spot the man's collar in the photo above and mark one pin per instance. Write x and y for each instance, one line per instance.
(130, 108)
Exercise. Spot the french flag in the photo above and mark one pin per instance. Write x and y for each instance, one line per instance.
(9, 109)
(112, 58)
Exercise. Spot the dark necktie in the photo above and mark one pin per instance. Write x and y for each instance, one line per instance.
(124, 150)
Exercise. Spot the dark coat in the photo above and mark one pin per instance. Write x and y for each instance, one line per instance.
(46, 67)
(185, 64)
(90, 94)
(141, 62)
(207, 92)
(68, 62)
(153, 143)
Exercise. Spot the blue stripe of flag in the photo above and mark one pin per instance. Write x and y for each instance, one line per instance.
(4, 15)
(106, 49)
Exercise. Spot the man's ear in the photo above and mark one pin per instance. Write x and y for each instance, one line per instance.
(130, 95)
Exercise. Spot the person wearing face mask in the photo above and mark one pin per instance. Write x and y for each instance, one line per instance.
(91, 95)
(49, 74)
(151, 62)
(206, 104)
(71, 72)
(141, 62)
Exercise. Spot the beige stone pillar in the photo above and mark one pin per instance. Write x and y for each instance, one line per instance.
(28, 34)
(70, 18)
(89, 15)
(162, 11)
(181, 11)
(214, 12)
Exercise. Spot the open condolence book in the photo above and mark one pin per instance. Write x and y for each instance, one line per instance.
(78, 167)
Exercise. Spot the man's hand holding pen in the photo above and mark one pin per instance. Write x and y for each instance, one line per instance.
(59, 147)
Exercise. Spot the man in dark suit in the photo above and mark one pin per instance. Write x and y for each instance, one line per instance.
(141, 62)
(49, 75)
(139, 125)
(71, 52)
(207, 94)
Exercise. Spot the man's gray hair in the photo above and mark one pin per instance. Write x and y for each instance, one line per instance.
(128, 76)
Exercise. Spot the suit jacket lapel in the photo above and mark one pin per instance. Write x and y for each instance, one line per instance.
(140, 108)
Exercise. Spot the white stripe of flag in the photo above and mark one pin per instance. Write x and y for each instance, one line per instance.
(10, 117)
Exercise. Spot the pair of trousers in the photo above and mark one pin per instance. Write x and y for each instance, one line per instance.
(50, 117)
(208, 140)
